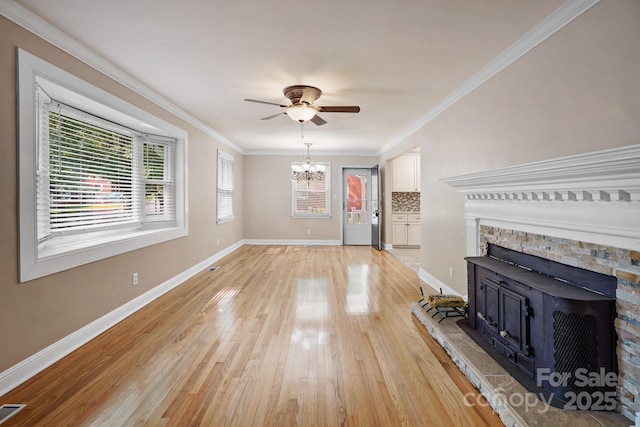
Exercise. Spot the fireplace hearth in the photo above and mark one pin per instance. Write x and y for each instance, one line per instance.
(553, 321)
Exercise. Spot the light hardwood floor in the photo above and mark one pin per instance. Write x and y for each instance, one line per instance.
(277, 336)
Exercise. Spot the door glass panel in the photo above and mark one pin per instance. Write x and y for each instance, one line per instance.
(357, 207)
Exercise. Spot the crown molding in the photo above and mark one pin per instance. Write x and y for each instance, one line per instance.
(41, 28)
(562, 16)
(607, 175)
(593, 197)
(314, 152)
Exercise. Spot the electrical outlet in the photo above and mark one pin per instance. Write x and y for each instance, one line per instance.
(135, 279)
(218, 240)
(451, 272)
(308, 231)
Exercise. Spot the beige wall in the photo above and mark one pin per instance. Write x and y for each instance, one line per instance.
(37, 313)
(267, 198)
(577, 92)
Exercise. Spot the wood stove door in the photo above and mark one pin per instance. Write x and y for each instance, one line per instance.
(491, 308)
(513, 319)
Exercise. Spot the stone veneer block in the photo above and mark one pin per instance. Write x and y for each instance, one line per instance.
(630, 295)
(631, 276)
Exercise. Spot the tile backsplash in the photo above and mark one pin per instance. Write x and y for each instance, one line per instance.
(405, 202)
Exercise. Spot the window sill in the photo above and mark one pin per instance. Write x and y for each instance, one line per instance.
(60, 254)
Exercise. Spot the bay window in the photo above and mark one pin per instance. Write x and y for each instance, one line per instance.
(98, 176)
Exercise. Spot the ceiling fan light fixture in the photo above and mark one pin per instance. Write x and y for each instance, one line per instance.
(300, 112)
(302, 106)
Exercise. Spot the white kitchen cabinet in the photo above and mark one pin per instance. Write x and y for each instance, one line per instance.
(406, 173)
(406, 229)
(413, 230)
(400, 231)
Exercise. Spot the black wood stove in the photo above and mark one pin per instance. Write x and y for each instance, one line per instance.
(553, 321)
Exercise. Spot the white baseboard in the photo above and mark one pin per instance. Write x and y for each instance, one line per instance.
(437, 284)
(300, 242)
(17, 374)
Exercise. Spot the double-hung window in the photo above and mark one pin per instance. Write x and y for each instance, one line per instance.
(98, 177)
(311, 198)
(225, 187)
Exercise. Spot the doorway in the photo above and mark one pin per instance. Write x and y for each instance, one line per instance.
(361, 210)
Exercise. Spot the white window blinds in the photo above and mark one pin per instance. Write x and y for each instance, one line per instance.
(95, 175)
(159, 184)
(225, 187)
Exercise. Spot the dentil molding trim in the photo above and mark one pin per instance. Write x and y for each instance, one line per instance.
(593, 197)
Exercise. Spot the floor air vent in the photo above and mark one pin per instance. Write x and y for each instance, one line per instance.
(214, 268)
(8, 410)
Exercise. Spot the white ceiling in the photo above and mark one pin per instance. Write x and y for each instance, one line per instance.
(395, 59)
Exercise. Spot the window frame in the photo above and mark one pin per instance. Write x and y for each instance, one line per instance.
(327, 189)
(224, 187)
(65, 252)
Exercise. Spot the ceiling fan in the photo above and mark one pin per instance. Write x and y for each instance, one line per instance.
(301, 108)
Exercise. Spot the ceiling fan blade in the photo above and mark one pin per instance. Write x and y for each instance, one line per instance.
(318, 121)
(271, 117)
(345, 109)
(310, 94)
(266, 102)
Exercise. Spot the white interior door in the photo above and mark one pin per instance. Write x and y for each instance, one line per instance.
(356, 219)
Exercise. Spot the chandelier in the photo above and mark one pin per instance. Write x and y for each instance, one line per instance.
(308, 171)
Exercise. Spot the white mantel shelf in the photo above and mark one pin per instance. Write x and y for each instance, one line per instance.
(593, 197)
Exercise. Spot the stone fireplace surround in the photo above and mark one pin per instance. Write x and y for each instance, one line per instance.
(581, 210)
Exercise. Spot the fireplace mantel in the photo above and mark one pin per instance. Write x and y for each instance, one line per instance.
(593, 197)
